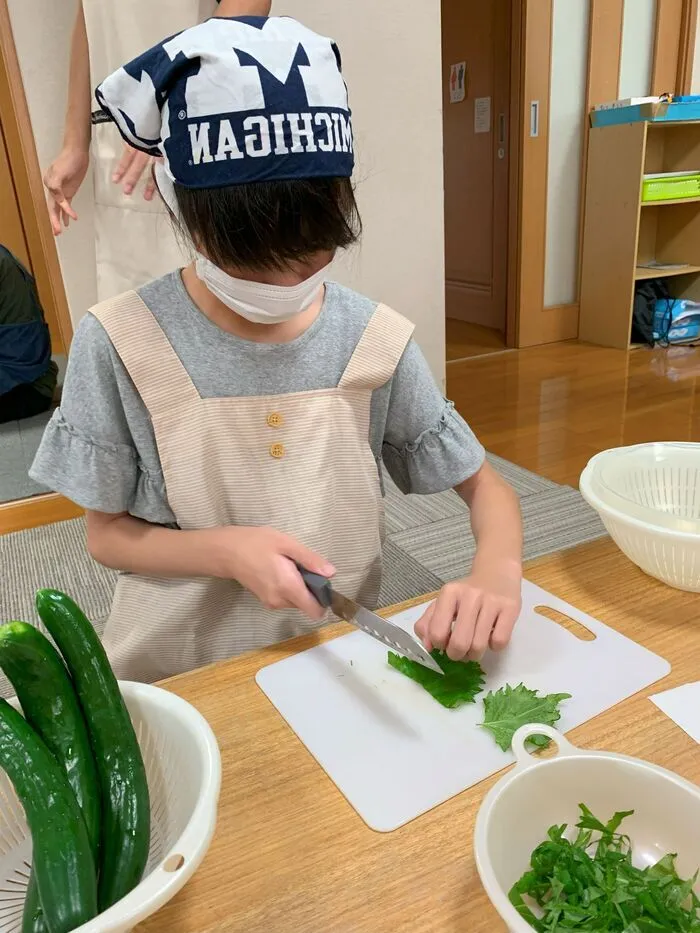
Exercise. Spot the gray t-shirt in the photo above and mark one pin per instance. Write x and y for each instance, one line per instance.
(99, 448)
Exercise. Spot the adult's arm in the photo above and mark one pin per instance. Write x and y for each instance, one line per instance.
(244, 8)
(78, 128)
(66, 173)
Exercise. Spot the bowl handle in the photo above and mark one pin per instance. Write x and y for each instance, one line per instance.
(524, 759)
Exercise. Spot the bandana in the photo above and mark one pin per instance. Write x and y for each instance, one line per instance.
(234, 101)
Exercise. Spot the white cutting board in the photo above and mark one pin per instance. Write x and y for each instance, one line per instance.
(395, 753)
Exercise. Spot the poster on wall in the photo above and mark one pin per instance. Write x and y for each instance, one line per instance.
(482, 115)
(458, 82)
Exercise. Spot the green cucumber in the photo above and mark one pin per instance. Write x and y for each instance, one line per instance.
(62, 857)
(33, 916)
(121, 773)
(50, 706)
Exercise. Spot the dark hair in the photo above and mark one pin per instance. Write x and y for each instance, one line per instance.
(270, 224)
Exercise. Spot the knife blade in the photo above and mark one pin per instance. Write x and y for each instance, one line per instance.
(392, 636)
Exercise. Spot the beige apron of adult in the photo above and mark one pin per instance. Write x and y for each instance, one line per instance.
(134, 240)
(299, 462)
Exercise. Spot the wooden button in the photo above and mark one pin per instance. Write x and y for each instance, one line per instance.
(275, 420)
(277, 451)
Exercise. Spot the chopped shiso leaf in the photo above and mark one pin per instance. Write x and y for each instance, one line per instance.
(588, 883)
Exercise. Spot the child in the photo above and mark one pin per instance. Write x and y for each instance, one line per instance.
(229, 419)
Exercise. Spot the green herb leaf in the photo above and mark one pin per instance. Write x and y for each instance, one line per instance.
(509, 708)
(588, 821)
(590, 884)
(460, 683)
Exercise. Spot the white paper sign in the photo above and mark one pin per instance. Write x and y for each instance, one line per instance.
(458, 82)
(482, 115)
(682, 705)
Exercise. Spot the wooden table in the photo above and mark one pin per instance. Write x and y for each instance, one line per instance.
(291, 856)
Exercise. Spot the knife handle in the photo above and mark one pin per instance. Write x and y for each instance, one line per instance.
(318, 586)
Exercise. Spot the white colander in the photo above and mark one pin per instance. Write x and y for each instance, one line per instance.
(183, 766)
(648, 497)
(542, 792)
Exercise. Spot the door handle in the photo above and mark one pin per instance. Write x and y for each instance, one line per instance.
(501, 129)
(501, 135)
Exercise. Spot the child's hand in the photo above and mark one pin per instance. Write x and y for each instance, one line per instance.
(475, 613)
(262, 560)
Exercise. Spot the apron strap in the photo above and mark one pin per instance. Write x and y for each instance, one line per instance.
(148, 356)
(378, 351)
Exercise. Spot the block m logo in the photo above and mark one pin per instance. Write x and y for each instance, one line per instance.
(236, 86)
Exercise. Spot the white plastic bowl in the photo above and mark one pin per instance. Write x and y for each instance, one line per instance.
(183, 766)
(648, 497)
(538, 793)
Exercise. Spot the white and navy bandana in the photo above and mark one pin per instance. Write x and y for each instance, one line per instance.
(234, 101)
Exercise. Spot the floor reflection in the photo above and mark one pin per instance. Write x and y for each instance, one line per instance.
(552, 408)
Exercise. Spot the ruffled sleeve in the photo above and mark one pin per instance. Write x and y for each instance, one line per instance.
(97, 476)
(428, 447)
(98, 449)
(440, 458)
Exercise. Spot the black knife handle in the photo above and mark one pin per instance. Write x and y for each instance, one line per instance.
(318, 586)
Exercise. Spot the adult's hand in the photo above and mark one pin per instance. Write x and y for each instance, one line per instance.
(131, 167)
(63, 178)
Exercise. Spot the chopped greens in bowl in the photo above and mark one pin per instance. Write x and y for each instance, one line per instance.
(588, 882)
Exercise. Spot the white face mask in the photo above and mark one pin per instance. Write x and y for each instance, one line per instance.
(255, 301)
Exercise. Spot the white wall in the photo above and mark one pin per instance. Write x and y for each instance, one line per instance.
(392, 62)
(695, 81)
(638, 28)
(42, 34)
(570, 34)
(566, 126)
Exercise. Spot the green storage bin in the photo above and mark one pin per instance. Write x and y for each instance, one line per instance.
(671, 187)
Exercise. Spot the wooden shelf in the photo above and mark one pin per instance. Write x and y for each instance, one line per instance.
(641, 272)
(621, 234)
(673, 201)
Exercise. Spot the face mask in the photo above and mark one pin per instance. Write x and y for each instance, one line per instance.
(256, 302)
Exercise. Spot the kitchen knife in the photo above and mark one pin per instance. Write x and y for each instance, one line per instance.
(394, 637)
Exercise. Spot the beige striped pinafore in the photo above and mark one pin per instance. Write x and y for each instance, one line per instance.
(299, 462)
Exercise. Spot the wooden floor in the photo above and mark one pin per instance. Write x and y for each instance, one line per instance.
(551, 408)
(468, 340)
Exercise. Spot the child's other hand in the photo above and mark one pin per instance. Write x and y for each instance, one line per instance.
(263, 561)
(475, 613)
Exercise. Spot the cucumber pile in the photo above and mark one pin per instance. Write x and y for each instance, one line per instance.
(76, 766)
